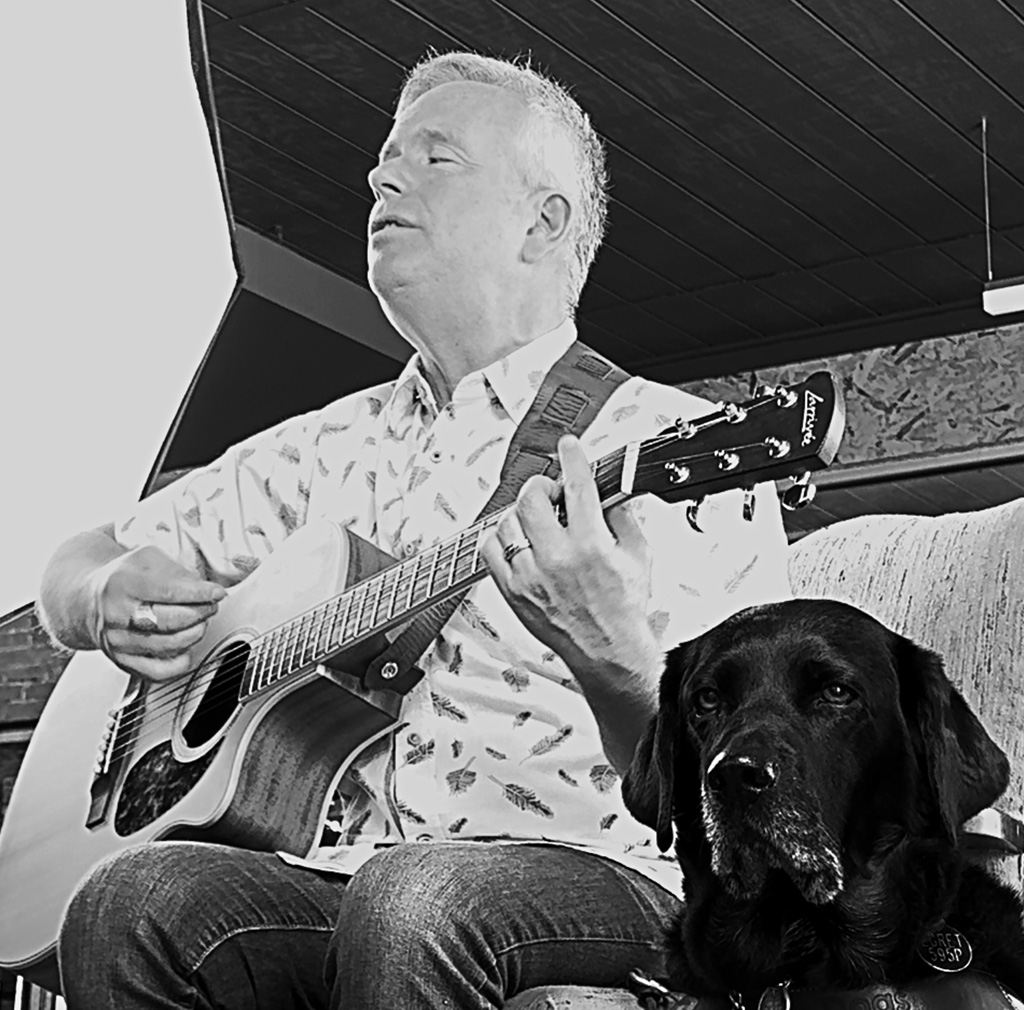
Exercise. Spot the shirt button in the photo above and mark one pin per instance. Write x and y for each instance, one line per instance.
(424, 838)
(408, 550)
(436, 456)
(414, 739)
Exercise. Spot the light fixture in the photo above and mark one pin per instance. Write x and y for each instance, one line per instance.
(997, 297)
(1000, 297)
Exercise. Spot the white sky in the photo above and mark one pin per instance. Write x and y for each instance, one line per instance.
(115, 263)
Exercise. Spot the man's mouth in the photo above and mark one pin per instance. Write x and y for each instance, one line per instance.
(387, 221)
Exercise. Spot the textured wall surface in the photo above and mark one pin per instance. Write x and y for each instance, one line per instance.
(946, 393)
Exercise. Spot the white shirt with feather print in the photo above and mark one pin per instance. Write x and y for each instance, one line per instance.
(497, 741)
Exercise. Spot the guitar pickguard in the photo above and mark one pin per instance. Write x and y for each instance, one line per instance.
(155, 784)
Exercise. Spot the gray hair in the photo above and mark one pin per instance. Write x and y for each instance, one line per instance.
(556, 118)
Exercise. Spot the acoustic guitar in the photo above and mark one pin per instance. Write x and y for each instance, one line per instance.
(247, 749)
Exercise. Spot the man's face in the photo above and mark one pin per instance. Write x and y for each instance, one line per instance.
(452, 207)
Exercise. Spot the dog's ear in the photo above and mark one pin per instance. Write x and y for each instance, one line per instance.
(649, 782)
(648, 787)
(965, 769)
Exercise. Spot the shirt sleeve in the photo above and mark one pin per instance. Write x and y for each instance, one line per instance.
(221, 520)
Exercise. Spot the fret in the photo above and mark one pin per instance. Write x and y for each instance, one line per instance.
(432, 574)
(352, 614)
(331, 627)
(278, 658)
(344, 612)
(360, 627)
(421, 586)
(467, 548)
(455, 558)
(374, 590)
(412, 581)
(252, 665)
(386, 597)
(366, 614)
(294, 628)
(307, 652)
(390, 612)
(258, 654)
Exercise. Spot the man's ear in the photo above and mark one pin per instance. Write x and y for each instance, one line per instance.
(964, 768)
(550, 226)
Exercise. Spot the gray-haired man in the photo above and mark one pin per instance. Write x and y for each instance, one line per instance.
(483, 847)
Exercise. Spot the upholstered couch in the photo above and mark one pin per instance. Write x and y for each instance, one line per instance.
(953, 583)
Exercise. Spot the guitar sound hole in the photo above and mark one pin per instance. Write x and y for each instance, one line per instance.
(221, 697)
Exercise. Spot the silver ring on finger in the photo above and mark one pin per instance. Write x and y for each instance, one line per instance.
(144, 618)
(514, 548)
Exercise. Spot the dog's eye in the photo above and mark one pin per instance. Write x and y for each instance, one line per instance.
(838, 694)
(706, 700)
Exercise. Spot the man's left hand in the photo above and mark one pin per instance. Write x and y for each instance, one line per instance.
(581, 588)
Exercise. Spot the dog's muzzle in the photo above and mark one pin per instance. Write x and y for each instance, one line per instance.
(756, 822)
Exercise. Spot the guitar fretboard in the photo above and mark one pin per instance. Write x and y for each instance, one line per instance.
(388, 598)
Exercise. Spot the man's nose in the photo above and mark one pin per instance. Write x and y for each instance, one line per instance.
(741, 776)
(387, 178)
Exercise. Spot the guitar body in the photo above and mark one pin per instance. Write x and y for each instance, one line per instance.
(257, 776)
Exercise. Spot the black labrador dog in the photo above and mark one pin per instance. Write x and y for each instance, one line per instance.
(817, 768)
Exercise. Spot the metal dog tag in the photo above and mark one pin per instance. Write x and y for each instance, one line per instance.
(947, 949)
(775, 997)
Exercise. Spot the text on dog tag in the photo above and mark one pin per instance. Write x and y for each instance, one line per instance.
(947, 949)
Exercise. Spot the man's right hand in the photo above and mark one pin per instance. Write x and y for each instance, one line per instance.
(182, 605)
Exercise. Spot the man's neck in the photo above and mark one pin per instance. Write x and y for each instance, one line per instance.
(452, 345)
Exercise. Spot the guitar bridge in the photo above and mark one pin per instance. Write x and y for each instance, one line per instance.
(105, 767)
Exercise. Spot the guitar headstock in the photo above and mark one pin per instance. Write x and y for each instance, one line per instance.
(781, 432)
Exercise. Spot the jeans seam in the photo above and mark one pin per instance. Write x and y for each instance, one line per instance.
(261, 928)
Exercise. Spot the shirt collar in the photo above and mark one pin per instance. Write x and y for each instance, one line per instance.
(516, 378)
(513, 379)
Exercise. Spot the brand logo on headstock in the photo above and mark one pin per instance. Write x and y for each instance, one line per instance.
(811, 401)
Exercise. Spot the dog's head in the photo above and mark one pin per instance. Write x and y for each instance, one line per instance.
(801, 737)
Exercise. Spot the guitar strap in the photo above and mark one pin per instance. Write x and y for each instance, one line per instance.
(568, 400)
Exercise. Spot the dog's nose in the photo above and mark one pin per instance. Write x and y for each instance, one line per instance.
(739, 775)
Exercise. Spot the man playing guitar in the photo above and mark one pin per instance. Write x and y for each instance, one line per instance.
(481, 848)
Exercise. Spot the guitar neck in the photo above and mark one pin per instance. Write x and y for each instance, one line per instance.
(779, 433)
(392, 596)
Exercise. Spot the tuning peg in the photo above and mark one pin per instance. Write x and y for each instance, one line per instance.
(691, 514)
(733, 412)
(678, 473)
(749, 501)
(783, 396)
(800, 494)
(727, 460)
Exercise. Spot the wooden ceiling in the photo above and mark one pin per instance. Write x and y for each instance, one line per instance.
(791, 178)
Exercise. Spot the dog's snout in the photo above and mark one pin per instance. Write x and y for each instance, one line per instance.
(740, 775)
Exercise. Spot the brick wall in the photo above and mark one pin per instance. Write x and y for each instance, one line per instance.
(29, 667)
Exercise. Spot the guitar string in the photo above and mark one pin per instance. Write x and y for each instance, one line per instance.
(159, 713)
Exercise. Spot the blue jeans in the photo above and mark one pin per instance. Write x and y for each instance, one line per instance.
(419, 927)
